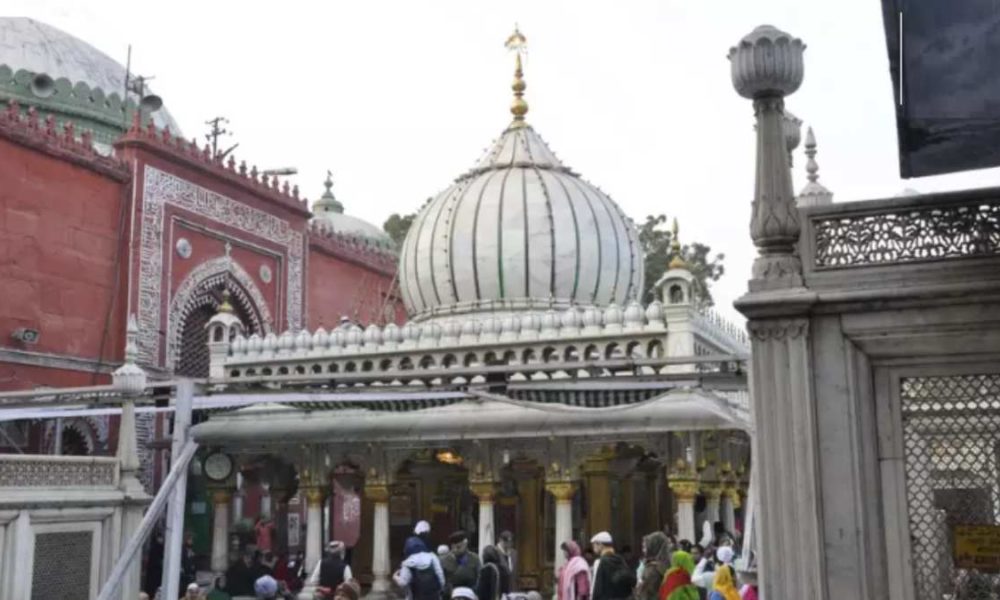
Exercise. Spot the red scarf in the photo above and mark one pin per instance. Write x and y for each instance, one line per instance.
(676, 578)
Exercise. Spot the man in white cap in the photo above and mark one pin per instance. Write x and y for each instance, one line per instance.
(704, 572)
(333, 571)
(613, 579)
(193, 592)
(463, 593)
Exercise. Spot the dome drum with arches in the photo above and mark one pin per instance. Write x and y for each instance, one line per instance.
(519, 232)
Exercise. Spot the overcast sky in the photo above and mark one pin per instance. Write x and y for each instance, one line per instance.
(399, 97)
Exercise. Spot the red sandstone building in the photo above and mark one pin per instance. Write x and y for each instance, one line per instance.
(97, 223)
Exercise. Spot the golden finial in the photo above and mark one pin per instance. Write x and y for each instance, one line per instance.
(518, 44)
(225, 306)
(677, 262)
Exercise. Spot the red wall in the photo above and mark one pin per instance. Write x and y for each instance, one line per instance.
(58, 241)
(336, 287)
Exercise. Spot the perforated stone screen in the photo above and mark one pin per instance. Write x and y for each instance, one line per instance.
(951, 437)
(62, 566)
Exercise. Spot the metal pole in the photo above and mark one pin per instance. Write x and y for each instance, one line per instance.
(173, 543)
(148, 521)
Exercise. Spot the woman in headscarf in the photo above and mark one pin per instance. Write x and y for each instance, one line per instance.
(724, 587)
(574, 576)
(655, 562)
(677, 583)
(494, 578)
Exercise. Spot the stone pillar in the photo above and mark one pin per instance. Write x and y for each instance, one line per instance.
(683, 483)
(220, 530)
(379, 495)
(597, 482)
(730, 502)
(486, 491)
(563, 492)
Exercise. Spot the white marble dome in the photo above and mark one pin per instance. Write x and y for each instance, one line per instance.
(520, 231)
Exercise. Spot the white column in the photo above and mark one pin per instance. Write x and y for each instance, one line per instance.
(486, 492)
(379, 494)
(17, 575)
(685, 491)
(265, 501)
(136, 498)
(238, 499)
(174, 539)
(729, 500)
(563, 492)
(220, 531)
(314, 526)
(713, 496)
(314, 537)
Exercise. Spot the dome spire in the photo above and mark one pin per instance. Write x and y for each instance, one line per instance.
(814, 193)
(327, 202)
(677, 262)
(518, 44)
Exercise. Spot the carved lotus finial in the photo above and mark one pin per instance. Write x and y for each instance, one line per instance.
(767, 62)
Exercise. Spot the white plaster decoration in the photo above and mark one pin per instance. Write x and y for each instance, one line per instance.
(767, 66)
(162, 189)
(183, 247)
(265, 273)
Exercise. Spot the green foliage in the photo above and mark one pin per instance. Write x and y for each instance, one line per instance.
(397, 225)
(655, 239)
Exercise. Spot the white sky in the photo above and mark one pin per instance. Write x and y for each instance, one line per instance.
(399, 97)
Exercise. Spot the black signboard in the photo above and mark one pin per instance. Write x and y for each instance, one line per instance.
(944, 56)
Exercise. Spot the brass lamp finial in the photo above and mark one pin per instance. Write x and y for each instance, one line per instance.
(518, 44)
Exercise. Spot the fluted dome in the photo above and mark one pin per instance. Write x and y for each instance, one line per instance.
(519, 231)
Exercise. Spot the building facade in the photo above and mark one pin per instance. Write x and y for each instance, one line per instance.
(106, 211)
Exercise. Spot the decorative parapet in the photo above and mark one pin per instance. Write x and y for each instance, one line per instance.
(63, 142)
(105, 112)
(164, 142)
(897, 231)
(723, 334)
(570, 336)
(352, 247)
(41, 470)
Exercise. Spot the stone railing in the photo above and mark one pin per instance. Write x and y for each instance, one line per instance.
(570, 336)
(40, 470)
(724, 334)
(913, 229)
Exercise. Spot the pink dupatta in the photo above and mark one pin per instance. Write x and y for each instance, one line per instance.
(570, 573)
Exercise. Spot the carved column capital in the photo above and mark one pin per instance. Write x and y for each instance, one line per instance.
(763, 330)
(712, 490)
(685, 490)
(221, 496)
(378, 493)
(733, 495)
(486, 491)
(314, 495)
(562, 491)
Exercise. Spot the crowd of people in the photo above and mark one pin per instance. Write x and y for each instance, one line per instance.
(668, 569)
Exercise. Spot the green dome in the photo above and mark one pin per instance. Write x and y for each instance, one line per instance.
(63, 76)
